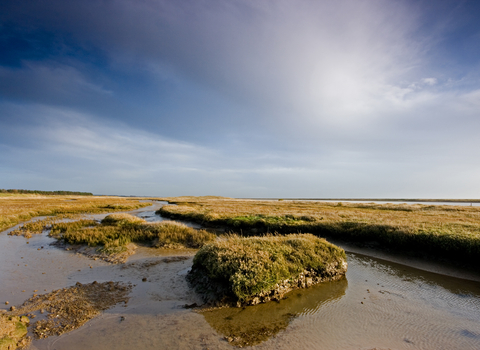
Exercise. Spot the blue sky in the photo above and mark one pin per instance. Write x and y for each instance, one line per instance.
(244, 98)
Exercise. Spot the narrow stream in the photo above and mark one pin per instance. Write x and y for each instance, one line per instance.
(380, 304)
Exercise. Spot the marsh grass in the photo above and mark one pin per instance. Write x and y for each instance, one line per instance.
(257, 269)
(122, 219)
(450, 232)
(13, 332)
(116, 231)
(35, 227)
(15, 208)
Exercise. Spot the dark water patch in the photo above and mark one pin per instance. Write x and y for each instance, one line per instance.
(469, 334)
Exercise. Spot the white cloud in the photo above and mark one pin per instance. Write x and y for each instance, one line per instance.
(430, 81)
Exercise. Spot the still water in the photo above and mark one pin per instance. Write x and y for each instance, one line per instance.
(379, 305)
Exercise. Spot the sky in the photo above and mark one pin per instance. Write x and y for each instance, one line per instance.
(241, 98)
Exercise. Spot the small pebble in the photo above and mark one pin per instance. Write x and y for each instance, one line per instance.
(144, 279)
(12, 308)
(6, 303)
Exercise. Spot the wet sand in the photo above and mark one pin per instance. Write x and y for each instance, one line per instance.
(380, 304)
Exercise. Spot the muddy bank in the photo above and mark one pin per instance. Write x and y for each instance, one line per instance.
(66, 309)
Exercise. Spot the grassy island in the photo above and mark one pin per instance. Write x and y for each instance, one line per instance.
(117, 231)
(444, 232)
(251, 270)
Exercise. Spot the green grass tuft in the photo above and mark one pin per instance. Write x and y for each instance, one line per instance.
(118, 230)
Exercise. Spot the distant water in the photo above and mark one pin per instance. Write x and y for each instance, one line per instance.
(474, 203)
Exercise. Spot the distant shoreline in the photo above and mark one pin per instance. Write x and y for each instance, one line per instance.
(373, 200)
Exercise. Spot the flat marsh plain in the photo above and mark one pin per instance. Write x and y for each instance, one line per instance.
(157, 314)
(16, 208)
(436, 231)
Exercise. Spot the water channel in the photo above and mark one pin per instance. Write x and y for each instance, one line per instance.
(381, 304)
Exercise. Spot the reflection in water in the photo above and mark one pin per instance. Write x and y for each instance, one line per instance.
(393, 306)
(383, 305)
(254, 324)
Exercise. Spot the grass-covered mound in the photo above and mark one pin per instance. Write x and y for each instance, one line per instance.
(251, 270)
(114, 234)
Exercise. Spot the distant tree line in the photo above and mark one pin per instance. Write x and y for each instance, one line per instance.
(48, 193)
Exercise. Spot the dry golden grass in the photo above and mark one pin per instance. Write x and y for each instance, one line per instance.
(450, 231)
(408, 215)
(21, 207)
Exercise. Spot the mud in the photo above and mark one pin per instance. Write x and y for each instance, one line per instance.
(146, 265)
(66, 309)
(96, 253)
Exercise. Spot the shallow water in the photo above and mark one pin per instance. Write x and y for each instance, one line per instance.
(380, 304)
(463, 204)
